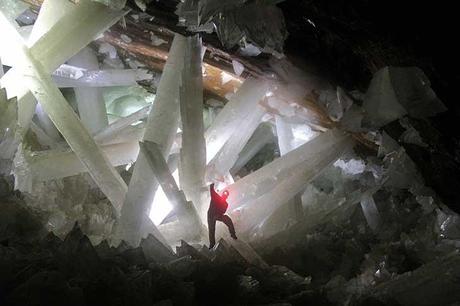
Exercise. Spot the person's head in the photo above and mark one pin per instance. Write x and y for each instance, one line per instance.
(225, 194)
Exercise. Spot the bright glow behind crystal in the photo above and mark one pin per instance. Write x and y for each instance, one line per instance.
(161, 207)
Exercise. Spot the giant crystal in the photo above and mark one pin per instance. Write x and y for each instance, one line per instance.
(186, 212)
(223, 161)
(286, 185)
(193, 151)
(233, 115)
(263, 180)
(54, 104)
(262, 135)
(91, 105)
(161, 128)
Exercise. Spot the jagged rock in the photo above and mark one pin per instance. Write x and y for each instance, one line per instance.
(155, 251)
(46, 288)
(103, 249)
(123, 246)
(51, 242)
(134, 256)
(225, 253)
(182, 267)
(186, 249)
(77, 255)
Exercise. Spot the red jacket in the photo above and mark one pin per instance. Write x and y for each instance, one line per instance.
(218, 203)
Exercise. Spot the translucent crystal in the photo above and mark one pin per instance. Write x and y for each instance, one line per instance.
(233, 114)
(370, 211)
(68, 29)
(31, 168)
(161, 128)
(262, 136)
(291, 136)
(222, 162)
(39, 82)
(113, 129)
(185, 210)
(263, 180)
(193, 151)
(91, 105)
(284, 188)
(396, 91)
(102, 78)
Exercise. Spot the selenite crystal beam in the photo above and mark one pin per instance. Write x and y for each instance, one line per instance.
(116, 127)
(257, 210)
(193, 151)
(220, 165)
(103, 78)
(91, 104)
(39, 82)
(161, 128)
(264, 179)
(285, 135)
(33, 167)
(233, 114)
(262, 136)
(185, 210)
(370, 211)
(66, 33)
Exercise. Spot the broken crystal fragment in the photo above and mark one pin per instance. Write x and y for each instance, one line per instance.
(290, 135)
(238, 68)
(396, 91)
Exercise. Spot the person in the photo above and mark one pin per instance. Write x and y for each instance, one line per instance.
(217, 208)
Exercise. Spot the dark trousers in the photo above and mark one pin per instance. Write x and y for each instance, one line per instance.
(212, 218)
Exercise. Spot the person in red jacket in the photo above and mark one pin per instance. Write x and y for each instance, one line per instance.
(217, 208)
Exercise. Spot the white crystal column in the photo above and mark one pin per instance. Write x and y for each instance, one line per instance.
(263, 180)
(121, 124)
(220, 165)
(60, 35)
(102, 78)
(91, 104)
(193, 151)
(31, 168)
(285, 135)
(263, 135)
(370, 211)
(229, 119)
(161, 128)
(185, 210)
(35, 77)
(254, 212)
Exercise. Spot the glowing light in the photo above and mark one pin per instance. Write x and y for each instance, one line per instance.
(161, 207)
